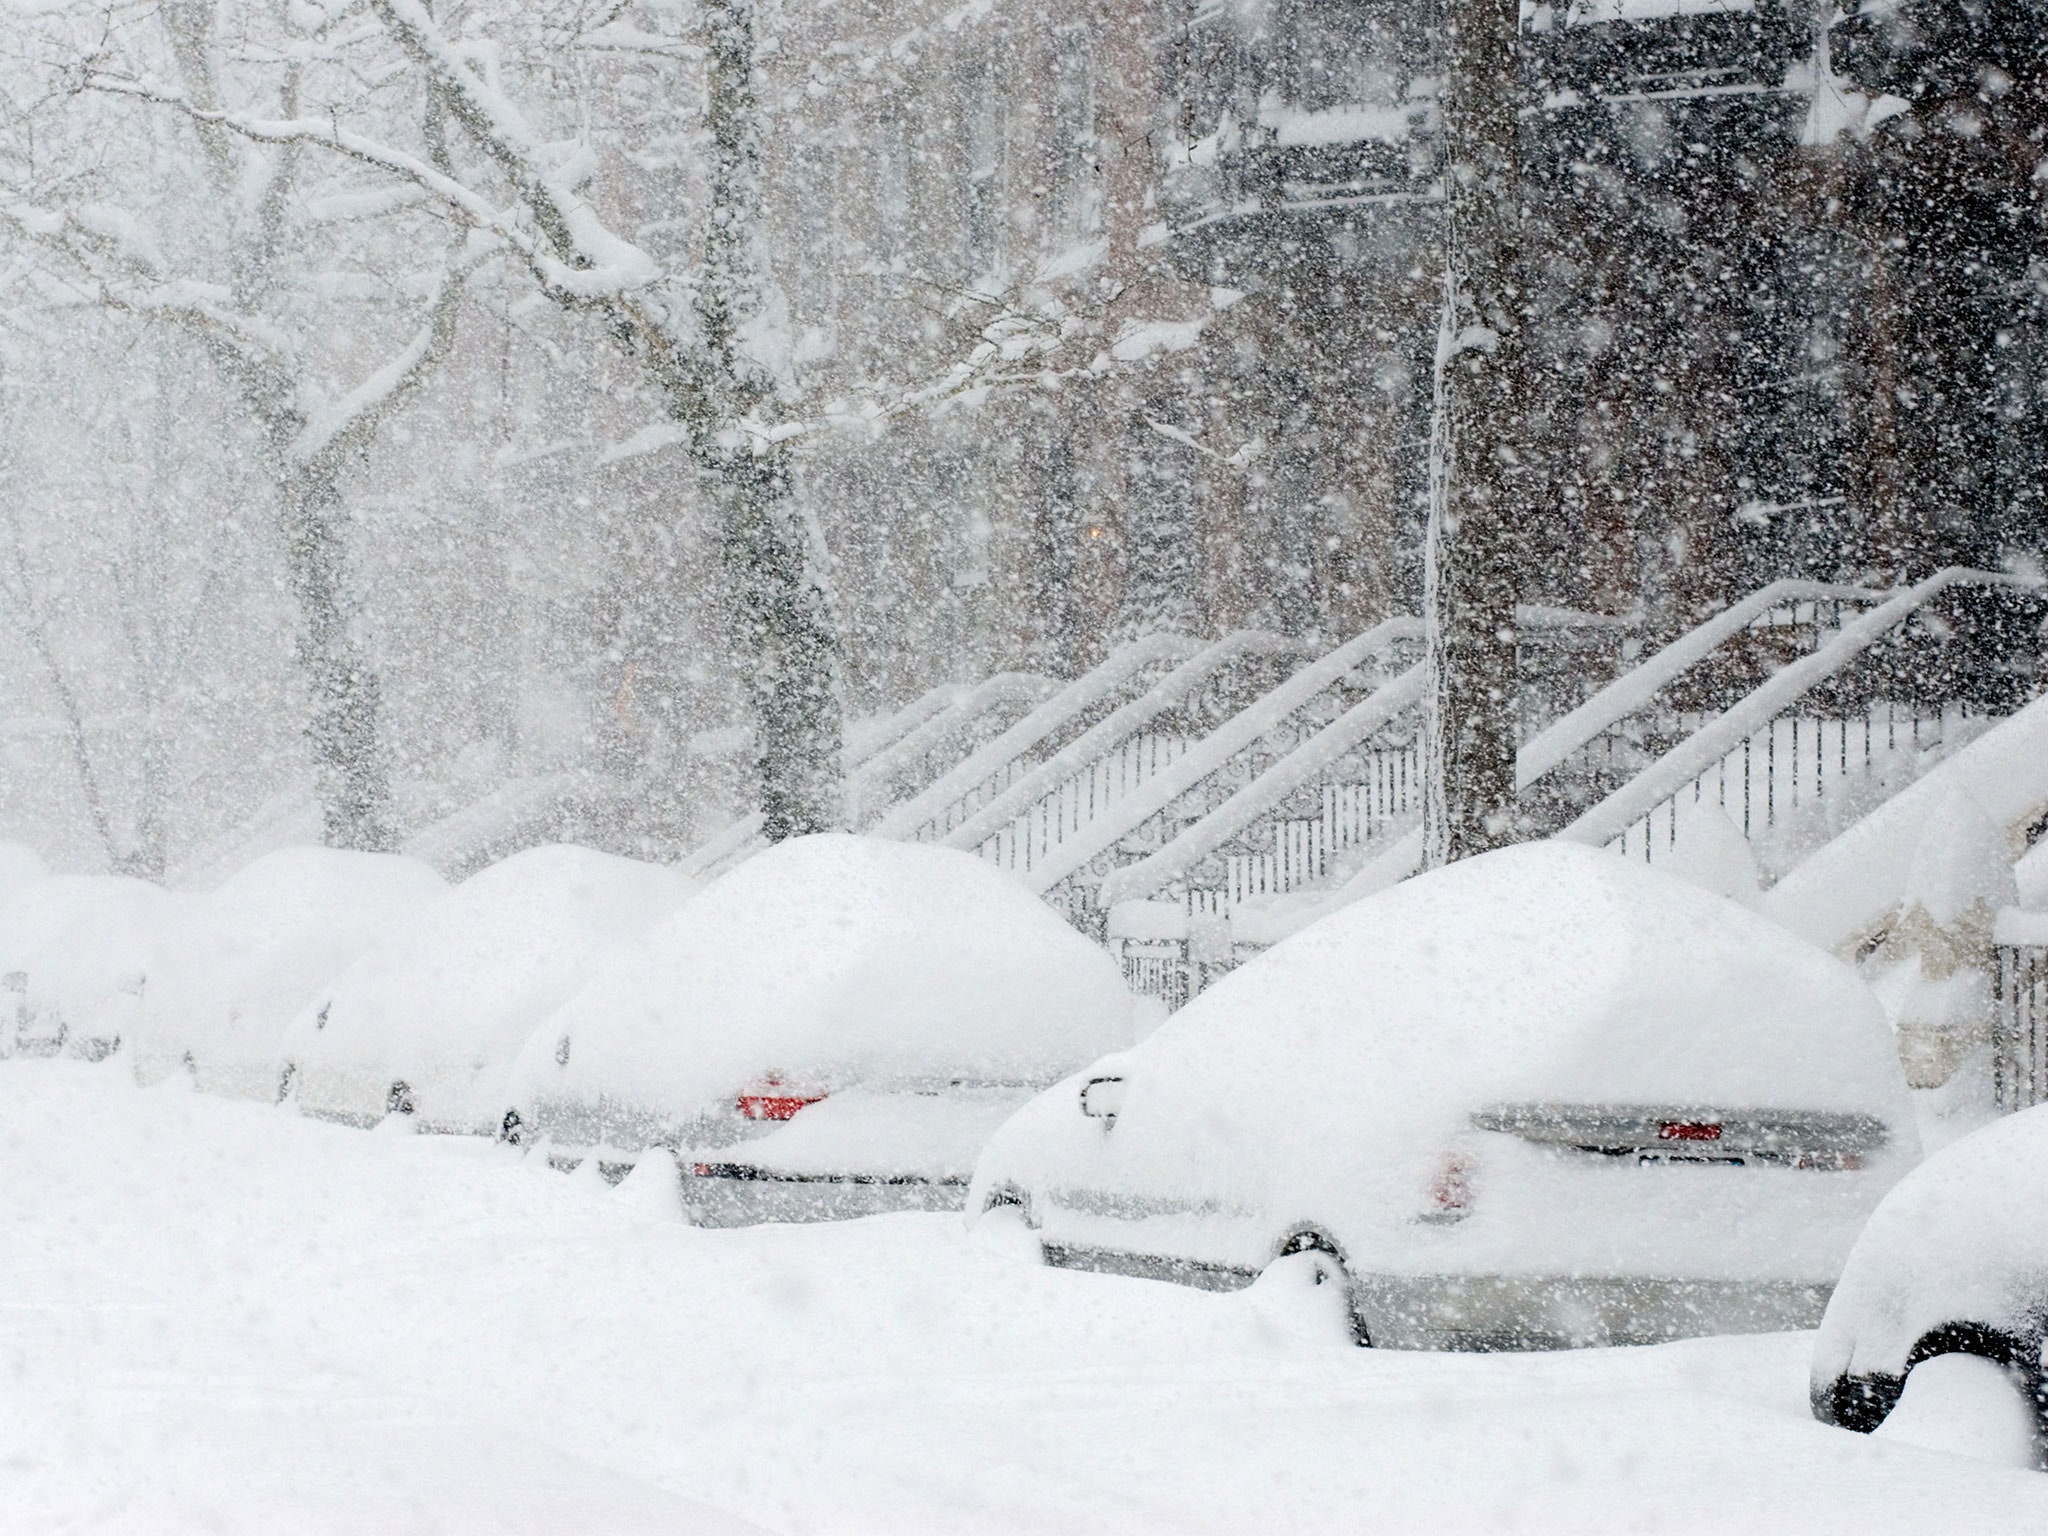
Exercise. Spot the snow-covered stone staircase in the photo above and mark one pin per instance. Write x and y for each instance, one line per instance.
(1192, 802)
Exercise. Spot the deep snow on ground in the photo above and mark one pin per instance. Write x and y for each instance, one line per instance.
(218, 1316)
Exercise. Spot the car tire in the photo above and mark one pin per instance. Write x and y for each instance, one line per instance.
(1322, 1264)
(1968, 1405)
(1005, 1226)
(1863, 1402)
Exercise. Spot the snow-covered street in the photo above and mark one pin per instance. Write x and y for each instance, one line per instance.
(223, 1317)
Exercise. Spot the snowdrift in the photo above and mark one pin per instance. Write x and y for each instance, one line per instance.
(80, 945)
(830, 961)
(441, 1004)
(242, 960)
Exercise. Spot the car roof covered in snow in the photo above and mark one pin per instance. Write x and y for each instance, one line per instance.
(106, 949)
(1545, 974)
(1963, 1238)
(242, 959)
(467, 979)
(46, 908)
(834, 959)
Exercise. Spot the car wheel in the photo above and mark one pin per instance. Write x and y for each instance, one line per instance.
(1309, 1283)
(1969, 1405)
(1006, 1228)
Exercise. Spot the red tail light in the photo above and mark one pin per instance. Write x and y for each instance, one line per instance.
(1688, 1130)
(1450, 1192)
(775, 1104)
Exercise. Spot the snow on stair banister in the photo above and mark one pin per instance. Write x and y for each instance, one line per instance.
(1635, 689)
(867, 782)
(1296, 770)
(1847, 887)
(863, 741)
(451, 842)
(1216, 749)
(1102, 738)
(1693, 756)
(864, 738)
(1075, 699)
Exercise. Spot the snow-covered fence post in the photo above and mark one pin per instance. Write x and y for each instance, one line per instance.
(1480, 474)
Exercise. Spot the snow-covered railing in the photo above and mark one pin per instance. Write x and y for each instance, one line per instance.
(864, 738)
(869, 786)
(287, 817)
(1629, 816)
(2019, 1034)
(546, 808)
(992, 767)
(1636, 689)
(1842, 893)
(1217, 750)
(1298, 770)
(1108, 736)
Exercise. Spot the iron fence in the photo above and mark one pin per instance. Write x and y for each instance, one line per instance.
(2019, 1046)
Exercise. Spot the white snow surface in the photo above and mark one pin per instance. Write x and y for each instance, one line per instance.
(223, 1318)
(243, 959)
(1963, 1238)
(90, 975)
(1961, 863)
(82, 942)
(1325, 1079)
(20, 865)
(445, 1000)
(1710, 851)
(833, 961)
(1844, 890)
(44, 909)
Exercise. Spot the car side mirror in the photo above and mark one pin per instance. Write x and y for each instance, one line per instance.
(1102, 1098)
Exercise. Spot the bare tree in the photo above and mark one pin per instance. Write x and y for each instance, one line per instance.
(219, 265)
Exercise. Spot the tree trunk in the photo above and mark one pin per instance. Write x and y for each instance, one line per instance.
(352, 772)
(1480, 490)
(785, 637)
(783, 622)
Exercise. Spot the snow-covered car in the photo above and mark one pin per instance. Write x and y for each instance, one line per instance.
(1545, 1097)
(829, 1029)
(239, 962)
(429, 1020)
(1954, 1262)
(73, 952)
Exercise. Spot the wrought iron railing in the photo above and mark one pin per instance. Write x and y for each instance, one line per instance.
(2019, 1045)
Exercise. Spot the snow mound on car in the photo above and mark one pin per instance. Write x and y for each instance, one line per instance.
(1963, 1238)
(832, 960)
(88, 979)
(65, 934)
(244, 958)
(445, 1001)
(1333, 1071)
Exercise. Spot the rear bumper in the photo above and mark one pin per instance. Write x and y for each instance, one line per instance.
(1203, 1276)
(740, 1194)
(1499, 1312)
(1510, 1312)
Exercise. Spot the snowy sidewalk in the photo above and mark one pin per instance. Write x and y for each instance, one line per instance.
(216, 1316)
